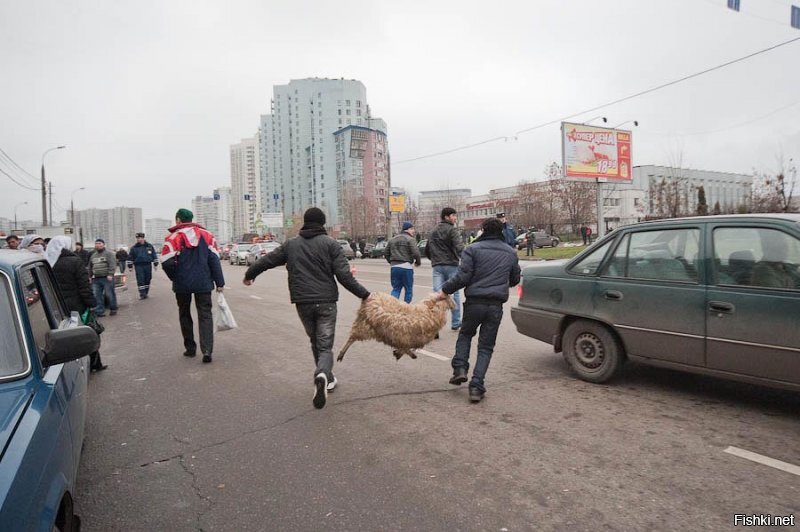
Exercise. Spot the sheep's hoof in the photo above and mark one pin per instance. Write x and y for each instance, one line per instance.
(397, 354)
(339, 358)
(412, 354)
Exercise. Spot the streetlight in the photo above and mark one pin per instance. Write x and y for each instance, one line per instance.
(72, 205)
(635, 123)
(595, 118)
(15, 213)
(44, 187)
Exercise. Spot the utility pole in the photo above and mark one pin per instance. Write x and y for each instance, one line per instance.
(44, 198)
(51, 203)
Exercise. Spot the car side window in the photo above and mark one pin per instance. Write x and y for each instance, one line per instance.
(666, 255)
(37, 315)
(589, 264)
(56, 313)
(755, 256)
(13, 360)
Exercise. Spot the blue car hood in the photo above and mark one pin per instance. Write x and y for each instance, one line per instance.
(14, 401)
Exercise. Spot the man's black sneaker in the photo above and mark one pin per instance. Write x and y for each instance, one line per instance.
(206, 359)
(320, 390)
(475, 395)
(189, 353)
(113, 312)
(459, 377)
(455, 328)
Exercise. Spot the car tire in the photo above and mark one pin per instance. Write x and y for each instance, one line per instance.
(555, 243)
(592, 351)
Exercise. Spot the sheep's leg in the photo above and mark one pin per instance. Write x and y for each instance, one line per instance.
(412, 353)
(350, 342)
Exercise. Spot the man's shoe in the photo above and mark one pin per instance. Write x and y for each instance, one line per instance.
(188, 353)
(475, 395)
(320, 390)
(332, 385)
(206, 359)
(113, 312)
(455, 327)
(459, 377)
(99, 315)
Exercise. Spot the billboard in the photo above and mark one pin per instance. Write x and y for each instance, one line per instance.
(272, 219)
(591, 152)
(397, 203)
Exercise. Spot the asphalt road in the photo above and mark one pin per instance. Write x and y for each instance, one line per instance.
(174, 444)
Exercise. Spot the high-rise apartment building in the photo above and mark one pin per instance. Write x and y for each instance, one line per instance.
(117, 226)
(214, 213)
(245, 185)
(156, 231)
(299, 151)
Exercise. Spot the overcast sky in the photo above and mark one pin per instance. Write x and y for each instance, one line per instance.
(149, 94)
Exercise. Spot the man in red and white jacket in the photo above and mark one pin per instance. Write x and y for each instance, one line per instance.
(191, 261)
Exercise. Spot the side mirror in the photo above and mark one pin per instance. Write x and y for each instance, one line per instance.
(64, 345)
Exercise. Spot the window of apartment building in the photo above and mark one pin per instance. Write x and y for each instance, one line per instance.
(348, 112)
(349, 122)
(340, 113)
(358, 103)
(347, 101)
(320, 131)
(340, 120)
(358, 112)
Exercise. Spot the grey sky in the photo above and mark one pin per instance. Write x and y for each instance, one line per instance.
(148, 95)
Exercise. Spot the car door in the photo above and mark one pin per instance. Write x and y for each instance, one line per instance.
(754, 303)
(650, 291)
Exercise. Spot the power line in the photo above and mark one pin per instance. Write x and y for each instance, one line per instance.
(17, 182)
(609, 104)
(735, 126)
(24, 172)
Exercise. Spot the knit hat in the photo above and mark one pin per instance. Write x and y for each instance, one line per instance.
(184, 215)
(314, 215)
(407, 226)
(100, 240)
(139, 235)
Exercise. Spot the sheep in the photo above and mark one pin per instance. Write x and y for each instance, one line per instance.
(402, 326)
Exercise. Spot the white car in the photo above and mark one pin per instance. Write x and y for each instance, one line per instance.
(239, 254)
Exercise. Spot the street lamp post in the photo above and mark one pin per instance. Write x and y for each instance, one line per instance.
(15, 213)
(72, 206)
(44, 186)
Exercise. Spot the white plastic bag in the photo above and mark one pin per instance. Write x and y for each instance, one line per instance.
(225, 320)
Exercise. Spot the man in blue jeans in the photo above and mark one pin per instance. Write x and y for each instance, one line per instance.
(489, 267)
(402, 253)
(444, 249)
(102, 265)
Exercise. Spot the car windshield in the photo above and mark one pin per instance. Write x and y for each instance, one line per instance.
(12, 355)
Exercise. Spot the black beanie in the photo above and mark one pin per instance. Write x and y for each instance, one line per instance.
(314, 215)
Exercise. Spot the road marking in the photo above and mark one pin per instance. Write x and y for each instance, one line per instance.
(256, 297)
(432, 355)
(764, 460)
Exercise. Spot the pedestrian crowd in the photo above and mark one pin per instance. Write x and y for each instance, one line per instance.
(485, 269)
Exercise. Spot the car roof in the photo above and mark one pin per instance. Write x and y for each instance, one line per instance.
(790, 217)
(12, 258)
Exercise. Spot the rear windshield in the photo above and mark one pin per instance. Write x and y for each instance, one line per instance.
(13, 360)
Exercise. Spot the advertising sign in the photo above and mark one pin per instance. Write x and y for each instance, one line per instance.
(272, 219)
(591, 152)
(397, 203)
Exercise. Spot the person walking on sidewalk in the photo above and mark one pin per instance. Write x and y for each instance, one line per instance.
(102, 265)
(143, 258)
(403, 254)
(488, 268)
(444, 248)
(314, 262)
(122, 259)
(530, 243)
(191, 261)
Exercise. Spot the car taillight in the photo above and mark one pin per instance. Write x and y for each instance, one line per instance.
(520, 291)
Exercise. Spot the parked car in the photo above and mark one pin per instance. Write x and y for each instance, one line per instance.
(349, 254)
(421, 245)
(44, 366)
(541, 239)
(238, 254)
(717, 295)
(225, 252)
(378, 250)
(259, 250)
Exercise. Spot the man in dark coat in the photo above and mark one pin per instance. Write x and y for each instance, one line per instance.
(82, 253)
(122, 259)
(191, 261)
(488, 268)
(315, 262)
(143, 258)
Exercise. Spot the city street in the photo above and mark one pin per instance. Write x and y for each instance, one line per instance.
(174, 444)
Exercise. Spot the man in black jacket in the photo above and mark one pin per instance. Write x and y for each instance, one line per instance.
(315, 262)
(403, 254)
(143, 258)
(444, 248)
(488, 268)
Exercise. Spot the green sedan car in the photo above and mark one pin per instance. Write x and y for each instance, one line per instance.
(718, 295)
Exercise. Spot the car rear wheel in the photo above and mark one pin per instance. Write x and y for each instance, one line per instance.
(555, 242)
(592, 351)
